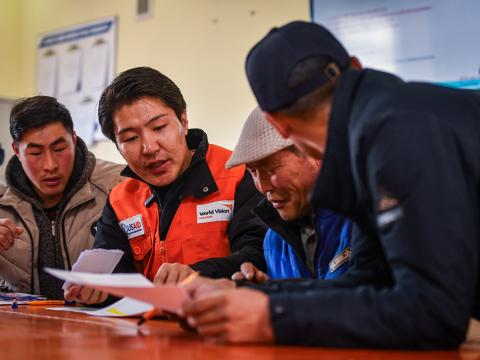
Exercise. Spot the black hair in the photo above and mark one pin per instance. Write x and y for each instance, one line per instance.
(133, 84)
(37, 111)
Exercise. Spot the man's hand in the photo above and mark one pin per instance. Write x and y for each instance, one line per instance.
(248, 271)
(8, 233)
(84, 295)
(203, 285)
(172, 273)
(234, 316)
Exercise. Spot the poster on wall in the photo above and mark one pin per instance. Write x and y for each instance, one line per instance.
(74, 65)
(427, 40)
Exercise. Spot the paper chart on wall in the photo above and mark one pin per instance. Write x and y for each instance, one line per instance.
(95, 66)
(83, 108)
(47, 73)
(69, 71)
(75, 64)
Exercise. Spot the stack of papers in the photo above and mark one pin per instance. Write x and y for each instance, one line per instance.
(136, 286)
(122, 308)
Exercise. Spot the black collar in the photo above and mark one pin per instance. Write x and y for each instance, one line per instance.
(334, 188)
(288, 230)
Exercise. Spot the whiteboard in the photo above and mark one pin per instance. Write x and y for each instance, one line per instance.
(426, 40)
(75, 65)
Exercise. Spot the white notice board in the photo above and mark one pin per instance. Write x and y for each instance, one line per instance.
(75, 65)
(428, 40)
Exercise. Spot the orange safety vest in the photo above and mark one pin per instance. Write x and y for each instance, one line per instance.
(199, 228)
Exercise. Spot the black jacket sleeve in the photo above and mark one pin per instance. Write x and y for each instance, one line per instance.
(245, 232)
(429, 240)
(110, 236)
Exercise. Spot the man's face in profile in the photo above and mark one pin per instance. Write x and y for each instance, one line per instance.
(286, 178)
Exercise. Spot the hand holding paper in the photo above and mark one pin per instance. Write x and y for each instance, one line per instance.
(94, 261)
(100, 261)
(136, 286)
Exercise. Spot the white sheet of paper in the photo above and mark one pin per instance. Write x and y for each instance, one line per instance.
(102, 261)
(136, 286)
(47, 74)
(102, 280)
(97, 261)
(95, 66)
(122, 308)
(69, 71)
(84, 117)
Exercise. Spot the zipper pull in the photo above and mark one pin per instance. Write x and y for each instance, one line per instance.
(53, 227)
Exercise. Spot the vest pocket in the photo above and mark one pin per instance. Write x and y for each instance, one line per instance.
(206, 243)
(141, 247)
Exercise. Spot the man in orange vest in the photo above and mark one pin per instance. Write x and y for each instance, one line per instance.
(180, 210)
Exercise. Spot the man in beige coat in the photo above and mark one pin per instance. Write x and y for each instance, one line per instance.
(54, 195)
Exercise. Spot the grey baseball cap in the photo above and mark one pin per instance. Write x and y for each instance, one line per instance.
(257, 140)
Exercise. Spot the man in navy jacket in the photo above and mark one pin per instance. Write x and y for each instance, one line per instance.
(402, 160)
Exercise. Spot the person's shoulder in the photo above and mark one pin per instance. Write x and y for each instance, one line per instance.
(217, 157)
(219, 152)
(104, 166)
(106, 174)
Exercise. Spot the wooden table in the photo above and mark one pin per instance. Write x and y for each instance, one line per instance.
(33, 332)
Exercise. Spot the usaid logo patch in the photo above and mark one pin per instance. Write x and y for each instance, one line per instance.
(215, 211)
(132, 226)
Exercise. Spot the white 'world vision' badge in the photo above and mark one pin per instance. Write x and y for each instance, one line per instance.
(133, 226)
(215, 211)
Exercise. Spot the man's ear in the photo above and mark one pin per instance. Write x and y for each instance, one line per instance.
(74, 137)
(15, 147)
(356, 64)
(279, 123)
(184, 122)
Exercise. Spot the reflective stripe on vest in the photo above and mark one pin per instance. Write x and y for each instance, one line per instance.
(199, 229)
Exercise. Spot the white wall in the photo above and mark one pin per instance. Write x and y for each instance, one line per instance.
(200, 44)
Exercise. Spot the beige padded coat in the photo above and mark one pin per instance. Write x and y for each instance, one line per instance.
(18, 265)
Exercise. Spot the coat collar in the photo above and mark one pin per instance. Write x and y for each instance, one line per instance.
(288, 230)
(334, 188)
